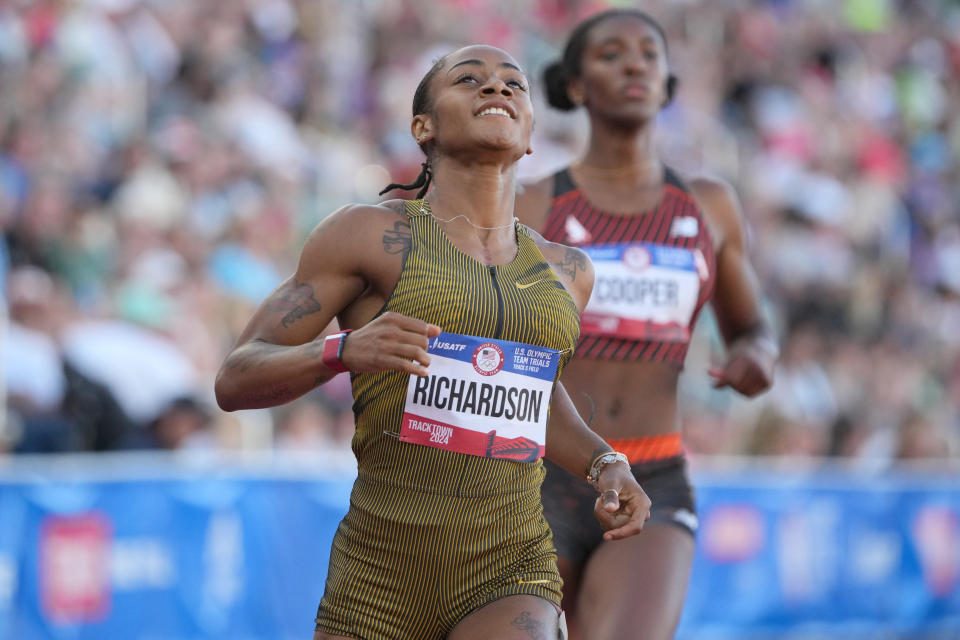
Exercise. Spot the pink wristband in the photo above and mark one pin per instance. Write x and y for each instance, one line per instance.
(333, 350)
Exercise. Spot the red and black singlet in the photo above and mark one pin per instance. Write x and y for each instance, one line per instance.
(654, 271)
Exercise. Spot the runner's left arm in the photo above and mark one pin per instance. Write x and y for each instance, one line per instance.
(622, 506)
(752, 349)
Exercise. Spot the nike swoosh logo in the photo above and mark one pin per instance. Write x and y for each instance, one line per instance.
(527, 285)
(522, 581)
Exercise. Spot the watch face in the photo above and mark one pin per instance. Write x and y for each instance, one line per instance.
(603, 461)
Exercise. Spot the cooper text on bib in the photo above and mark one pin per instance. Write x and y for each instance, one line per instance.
(643, 291)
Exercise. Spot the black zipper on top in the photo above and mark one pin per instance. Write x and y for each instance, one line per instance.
(496, 286)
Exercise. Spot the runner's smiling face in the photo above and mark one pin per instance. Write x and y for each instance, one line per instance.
(480, 106)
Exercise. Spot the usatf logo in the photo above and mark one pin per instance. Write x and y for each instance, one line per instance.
(488, 359)
(636, 258)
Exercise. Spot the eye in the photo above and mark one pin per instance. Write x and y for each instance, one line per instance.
(467, 77)
(517, 84)
(609, 54)
(651, 54)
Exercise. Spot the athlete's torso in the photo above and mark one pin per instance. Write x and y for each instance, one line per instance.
(522, 301)
(655, 270)
(673, 263)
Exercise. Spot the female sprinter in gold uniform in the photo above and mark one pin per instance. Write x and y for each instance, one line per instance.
(662, 247)
(462, 320)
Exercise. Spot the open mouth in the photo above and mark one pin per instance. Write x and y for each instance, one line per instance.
(495, 111)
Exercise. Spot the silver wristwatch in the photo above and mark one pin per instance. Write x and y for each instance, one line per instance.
(601, 461)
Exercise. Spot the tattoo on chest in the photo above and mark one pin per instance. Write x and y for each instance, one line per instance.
(397, 240)
(299, 302)
(533, 627)
(571, 262)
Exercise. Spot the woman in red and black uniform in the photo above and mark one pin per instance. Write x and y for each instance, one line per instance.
(662, 247)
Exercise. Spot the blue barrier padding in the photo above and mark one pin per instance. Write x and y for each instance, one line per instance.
(92, 552)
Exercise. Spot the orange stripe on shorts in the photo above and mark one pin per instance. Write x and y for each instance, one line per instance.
(650, 448)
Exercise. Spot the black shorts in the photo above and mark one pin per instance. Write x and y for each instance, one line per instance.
(568, 503)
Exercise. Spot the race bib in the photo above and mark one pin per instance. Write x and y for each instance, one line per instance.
(482, 397)
(643, 291)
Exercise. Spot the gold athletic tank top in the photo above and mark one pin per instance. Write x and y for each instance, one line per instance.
(522, 301)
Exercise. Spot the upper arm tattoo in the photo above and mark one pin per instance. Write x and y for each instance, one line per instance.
(398, 240)
(534, 627)
(571, 262)
(298, 302)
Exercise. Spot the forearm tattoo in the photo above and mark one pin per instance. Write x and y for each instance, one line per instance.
(276, 395)
(298, 302)
(397, 240)
(533, 627)
(572, 262)
(245, 361)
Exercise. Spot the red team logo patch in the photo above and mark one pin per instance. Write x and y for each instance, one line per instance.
(488, 359)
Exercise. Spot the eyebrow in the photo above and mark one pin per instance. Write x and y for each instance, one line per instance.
(645, 39)
(480, 63)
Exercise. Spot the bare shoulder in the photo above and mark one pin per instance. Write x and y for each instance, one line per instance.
(356, 223)
(353, 215)
(720, 203)
(533, 201)
(356, 234)
(572, 266)
(715, 195)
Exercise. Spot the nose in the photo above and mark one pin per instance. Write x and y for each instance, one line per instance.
(493, 85)
(634, 64)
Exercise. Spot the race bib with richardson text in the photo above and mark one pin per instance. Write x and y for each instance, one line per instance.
(643, 291)
(482, 397)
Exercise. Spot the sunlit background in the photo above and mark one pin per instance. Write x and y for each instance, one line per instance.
(161, 162)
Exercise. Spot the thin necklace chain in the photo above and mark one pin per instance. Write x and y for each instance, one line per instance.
(425, 209)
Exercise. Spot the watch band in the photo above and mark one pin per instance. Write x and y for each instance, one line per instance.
(600, 462)
(333, 350)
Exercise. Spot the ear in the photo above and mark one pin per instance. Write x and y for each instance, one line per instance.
(422, 129)
(671, 89)
(575, 91)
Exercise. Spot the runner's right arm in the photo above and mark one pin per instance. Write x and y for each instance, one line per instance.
(343, 264)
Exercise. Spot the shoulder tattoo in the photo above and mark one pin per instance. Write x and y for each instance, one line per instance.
(397, 240)
(571, 262)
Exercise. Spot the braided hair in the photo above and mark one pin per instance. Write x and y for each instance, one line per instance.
(422, 104)
(422, 182)
(558, 75)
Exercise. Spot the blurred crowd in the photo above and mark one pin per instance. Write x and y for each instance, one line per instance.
(161, 162)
